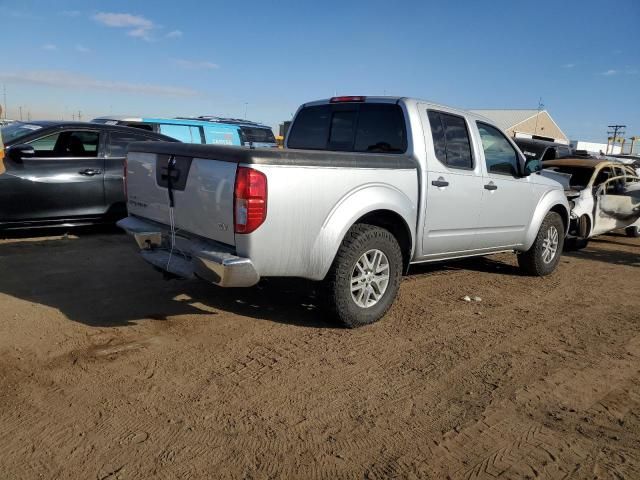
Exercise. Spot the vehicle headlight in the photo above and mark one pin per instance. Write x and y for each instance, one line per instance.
(572, 204)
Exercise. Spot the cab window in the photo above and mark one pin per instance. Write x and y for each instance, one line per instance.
(450, 139)
(501, 158)
(350, 127)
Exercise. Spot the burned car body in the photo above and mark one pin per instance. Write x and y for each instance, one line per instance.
(603, 195)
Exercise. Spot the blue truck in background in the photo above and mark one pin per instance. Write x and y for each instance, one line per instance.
(203, 129)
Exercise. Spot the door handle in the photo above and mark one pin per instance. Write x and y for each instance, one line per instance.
(440, 182)
(490, 186)
(90, 172)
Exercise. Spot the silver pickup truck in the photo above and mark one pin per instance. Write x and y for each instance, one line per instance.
(365, 187)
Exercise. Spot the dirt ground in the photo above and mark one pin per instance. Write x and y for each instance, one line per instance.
(107, 371)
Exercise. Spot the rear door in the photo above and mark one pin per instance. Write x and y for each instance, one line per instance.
(453, 185)
(507, 198)
(63, 179)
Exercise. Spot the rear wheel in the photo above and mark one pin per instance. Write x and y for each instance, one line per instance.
(632, 231)
(365, 276)
(544, 255)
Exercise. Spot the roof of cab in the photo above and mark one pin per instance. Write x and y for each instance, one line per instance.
(408, 101)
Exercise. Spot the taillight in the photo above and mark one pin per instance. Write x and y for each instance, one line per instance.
(124, 177)
(249, 200)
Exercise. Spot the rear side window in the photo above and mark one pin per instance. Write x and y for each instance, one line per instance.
(450, 139)
(353, 127)
(256, 135)
(119, 142)
(184, 133)
(221, 135)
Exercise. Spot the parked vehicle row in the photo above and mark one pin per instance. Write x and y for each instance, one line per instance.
(365, 187)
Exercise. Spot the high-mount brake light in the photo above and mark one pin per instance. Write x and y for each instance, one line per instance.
(249, 200)
(347, 99)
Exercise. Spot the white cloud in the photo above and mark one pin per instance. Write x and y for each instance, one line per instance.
(49, 46)
(568, 65)
(610, 72)
(138, 25)
(195, 64)
(62, 79)
(174, 34)
(82, 49)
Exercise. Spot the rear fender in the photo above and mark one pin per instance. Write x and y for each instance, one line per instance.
(364, 200)
(551, 200)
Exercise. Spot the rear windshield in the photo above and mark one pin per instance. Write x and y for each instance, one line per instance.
(257, 135)
(580, 176)
(15, 130)
(350, 127)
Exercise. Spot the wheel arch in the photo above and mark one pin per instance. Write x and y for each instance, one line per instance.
(552, 201)
(381, 205)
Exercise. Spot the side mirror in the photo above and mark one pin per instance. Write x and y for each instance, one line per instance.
(532, 165)
(18, 152)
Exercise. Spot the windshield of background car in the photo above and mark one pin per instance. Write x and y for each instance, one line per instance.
(257, 135)
(531, 152)
(350, 127)
(580, 176)
(15, 130)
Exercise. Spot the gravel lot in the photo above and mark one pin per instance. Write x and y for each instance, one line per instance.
(109, 372)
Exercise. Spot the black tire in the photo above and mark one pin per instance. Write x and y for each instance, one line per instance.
(633, 232)
(531, 262)
(337, 285)
(575, 243)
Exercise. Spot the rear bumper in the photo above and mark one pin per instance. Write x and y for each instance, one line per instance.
(191, 256)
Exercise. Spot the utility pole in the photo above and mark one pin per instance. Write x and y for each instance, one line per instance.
(614, 134)
(79, 116)
(4, 93)
(540, 107)
(20, 108)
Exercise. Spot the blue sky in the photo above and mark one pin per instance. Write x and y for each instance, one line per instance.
(189, 57)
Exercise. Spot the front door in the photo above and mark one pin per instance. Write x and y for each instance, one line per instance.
(507, 198)
(63, 179)
(453, 186)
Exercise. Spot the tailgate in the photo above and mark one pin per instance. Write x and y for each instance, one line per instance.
(202, 192)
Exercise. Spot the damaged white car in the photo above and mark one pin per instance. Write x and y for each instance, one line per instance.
(603, 196)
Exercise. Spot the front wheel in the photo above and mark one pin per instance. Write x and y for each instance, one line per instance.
(544, 255)
(365, 276)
